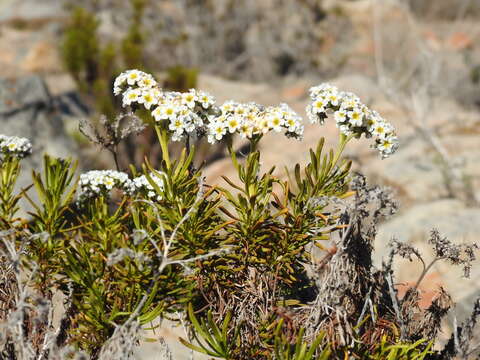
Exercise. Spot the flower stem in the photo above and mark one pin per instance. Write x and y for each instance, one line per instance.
(344, 139)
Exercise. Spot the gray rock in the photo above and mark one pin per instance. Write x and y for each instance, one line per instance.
(29, 9)
(28, 110)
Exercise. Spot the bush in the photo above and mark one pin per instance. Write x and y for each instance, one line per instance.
(124, 249)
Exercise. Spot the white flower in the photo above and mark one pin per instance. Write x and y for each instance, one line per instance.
(312, 116)
(340, 116)
(350, 101)
(387, 146)
(245, 131)
(148, 98)
(189, 99)
(322, 89)
(275, 121)
(292, 124)
(169, 111)
(133, 76)
(382, 130)
(177, 125)
(233, 123)
(157, 114)
(218, 130)
(206, 100)
(345, 129)
(118, 83)
(100, 182)
(356, 117)
(177, 135)
(147, 81)
(131, 96)
(318, 105)
(141, 185)
(333, 98)
(228, 106)
(263, 124)
(15, 146)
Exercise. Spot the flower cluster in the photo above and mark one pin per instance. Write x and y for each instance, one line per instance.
(141, 185)
(351, 116)
(186, 113)
(132, 79)
(15, 146)
(99, 183)
(252, 119)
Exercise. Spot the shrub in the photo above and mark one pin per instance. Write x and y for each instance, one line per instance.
(124, 249)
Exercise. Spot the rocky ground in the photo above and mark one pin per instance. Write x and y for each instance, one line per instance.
(436, 181)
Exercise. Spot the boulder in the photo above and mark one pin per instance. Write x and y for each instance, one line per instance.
(28, 110)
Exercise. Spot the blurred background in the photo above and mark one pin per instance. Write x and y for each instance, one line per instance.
(417, 62)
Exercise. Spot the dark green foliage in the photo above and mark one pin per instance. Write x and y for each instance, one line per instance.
(216, 339)
(133, 43)
(9, 171)
(180, 78)
(80, 47)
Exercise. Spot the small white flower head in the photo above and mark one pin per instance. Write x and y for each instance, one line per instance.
(381, 130)
(228, 107)
(131, 96)
(352, 117)
(263, 124)
(177, 125)
(340, 116)
(333, 98)
(387, 145)
(187, 112)
(252, 119)
(356, 117)
(148, 98)
(233, 122)
(147, 81)
(275, 120)
(142, 186)
(319, 105)
(245, 131)
(119, 83)
(99, 183)
(15, 146)
(216, 131)
(133, 77)
(206, 100)
(189, 98)
(322, 90)
(350, 101)
(169, 111)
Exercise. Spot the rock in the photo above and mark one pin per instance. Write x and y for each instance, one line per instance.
(30, 10)
(43, 57)
(28, 110)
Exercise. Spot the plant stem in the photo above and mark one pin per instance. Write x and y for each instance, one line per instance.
(344, 139)
(254, 143)
(424, 272)
(115, 158)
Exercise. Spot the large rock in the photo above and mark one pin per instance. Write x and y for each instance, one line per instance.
(28, 110)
